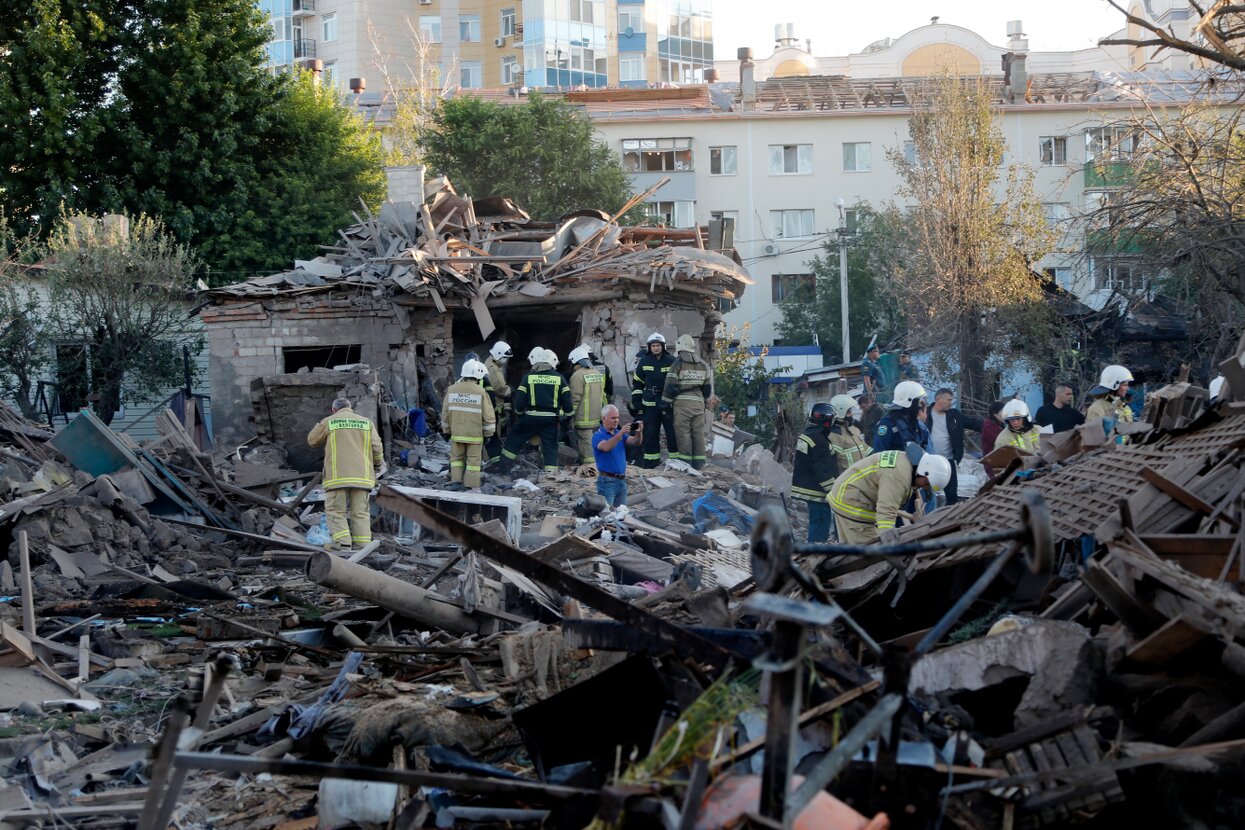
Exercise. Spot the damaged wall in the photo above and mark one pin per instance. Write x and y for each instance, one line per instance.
(248, 341)
(287, 406)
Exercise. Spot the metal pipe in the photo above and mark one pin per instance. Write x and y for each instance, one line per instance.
(966, 599)
(832, 763)
(920, 546)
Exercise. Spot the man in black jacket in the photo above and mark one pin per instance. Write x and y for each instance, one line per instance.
(946, 426)
(814, 471)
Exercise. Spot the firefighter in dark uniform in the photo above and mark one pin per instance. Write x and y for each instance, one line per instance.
(647, 385)
(901, 425)
(814, 471)
(541, 399)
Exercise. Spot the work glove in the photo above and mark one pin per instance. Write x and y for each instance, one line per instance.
(382, 471)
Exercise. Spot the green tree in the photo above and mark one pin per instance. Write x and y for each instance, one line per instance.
(321, 159)
(971, 230)
(24, 340)
(122, 289)
(741, 379)
(819, 318)
(542, 153)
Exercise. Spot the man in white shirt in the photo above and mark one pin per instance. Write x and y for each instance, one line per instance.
(947, 425)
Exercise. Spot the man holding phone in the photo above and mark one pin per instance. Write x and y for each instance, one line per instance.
(609, 448)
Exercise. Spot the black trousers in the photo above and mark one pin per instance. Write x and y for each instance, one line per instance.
(655, 420)
(952, 488)
(524, 428)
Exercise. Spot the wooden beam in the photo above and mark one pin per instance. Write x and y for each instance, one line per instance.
(1185, 497)
(1171, 639)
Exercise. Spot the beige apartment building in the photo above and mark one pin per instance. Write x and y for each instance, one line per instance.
(493, 44)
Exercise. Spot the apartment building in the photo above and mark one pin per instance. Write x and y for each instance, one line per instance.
(478, 44)
(777, 155)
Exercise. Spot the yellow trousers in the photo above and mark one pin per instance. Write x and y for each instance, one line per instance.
(583, 438)
(465, 462)
(349, 518)
(852, 532)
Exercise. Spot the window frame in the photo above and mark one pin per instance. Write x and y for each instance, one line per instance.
(681, 213)
(430, 28)
(508, 21)
(781, 154)
(1103, 142)
(1058, 158)
(794, 287)
(464, 67)
(722, 156)
(779, 223)
(856, 168)
(646, 150)
(326, 21)
(631, 12)
(466, 24)
(509, 65)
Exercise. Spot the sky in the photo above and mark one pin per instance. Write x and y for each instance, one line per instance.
(840, 27)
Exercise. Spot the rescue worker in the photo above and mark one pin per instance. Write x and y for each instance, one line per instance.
(688, 388)
(846, 440)
(867, 496)
(587, 398)
(353, 460)
(648, 383)
(498, 357)
(1019, 431)
(596, 361)
(468, 418)
(1111, 395)
(902, 424)
(540, 400)
(814, 470)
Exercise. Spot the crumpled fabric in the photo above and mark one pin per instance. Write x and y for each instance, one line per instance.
(713, 506)
(297, 721)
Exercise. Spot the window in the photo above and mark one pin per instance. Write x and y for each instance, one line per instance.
(472, 75)
(1057, 213)
(1114, 143)
(582, 10)
(673, 214)
(909, 153)
(469, 28)
(790, 159)
(1117, 274)
(1061, 276)
(430, 28)
(510, 70)
(851, 217)
(328, 27)
(857, 157)
(1103, 207)
(791, 287)
(631, 66)
(278, 28)
(507, 22)
(630, 20)
(320, 357)
(722, 161)
(791, 224)
(1053, 150)
(329, 78)
(655, 155)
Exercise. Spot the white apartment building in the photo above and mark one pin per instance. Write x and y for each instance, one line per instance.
(777, 154)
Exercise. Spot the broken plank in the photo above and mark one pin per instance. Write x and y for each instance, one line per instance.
(1185, 497)
(1171, 639)
(1138, 618)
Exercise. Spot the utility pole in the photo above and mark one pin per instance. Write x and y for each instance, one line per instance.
(847, 349)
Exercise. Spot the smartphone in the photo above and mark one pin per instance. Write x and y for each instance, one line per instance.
(635, 427)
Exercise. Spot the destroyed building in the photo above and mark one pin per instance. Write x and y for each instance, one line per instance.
(410, 290)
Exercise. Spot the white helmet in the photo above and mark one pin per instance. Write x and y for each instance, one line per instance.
(906, 392)
(501, 350)
(1113, 376)
(550, 357)
(656, 337)
(1216, 386)
(579, 353)
(536, 355)
(474, 369)
(685, 343)
(935, 468)
(1015, 409)
(843, 405)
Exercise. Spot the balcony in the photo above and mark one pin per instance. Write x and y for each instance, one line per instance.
(1108, 173)
(304, 48)
(304, 8)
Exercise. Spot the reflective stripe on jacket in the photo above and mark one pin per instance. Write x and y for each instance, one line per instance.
(814, 469)
(874, 489)
(542, 393)
(848, 445)
(497, 379)
(687, 380)
(649, 379)
(1110, 407)
(352, 450)
(587, 396)
(467, 414)
(1027, 441)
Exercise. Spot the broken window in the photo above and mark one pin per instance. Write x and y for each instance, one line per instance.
(791, 287)
(320, 357)
(1113, 143)
(1124, 274)
(1053, 150)
(790, 159)
(655, 155)
(722, 161)
(679, 214)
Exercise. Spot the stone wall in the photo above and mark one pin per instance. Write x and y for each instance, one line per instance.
(245, 341)
(287, 406)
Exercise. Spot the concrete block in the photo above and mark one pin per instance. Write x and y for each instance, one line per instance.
(667, 497)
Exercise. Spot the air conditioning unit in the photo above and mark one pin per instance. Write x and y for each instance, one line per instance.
(499, 42)
(770, 250)
(425, 2)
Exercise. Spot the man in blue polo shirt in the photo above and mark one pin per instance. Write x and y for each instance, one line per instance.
(609, 446)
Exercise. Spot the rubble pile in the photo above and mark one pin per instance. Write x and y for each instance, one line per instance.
(1063, 649)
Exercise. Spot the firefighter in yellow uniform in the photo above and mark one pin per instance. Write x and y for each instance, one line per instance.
(847, 442)
(1020, 431)
(688, 390)
(587, 398)
(353, 460)
(499, 391)
(867, 496)
(468, 419)
(1111, 395)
